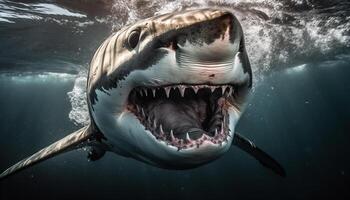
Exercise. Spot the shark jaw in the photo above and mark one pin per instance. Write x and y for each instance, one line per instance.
(184, 116)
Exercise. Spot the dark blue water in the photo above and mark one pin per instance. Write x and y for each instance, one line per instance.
(299, 114)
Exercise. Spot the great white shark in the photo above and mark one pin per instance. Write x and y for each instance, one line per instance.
(168, 91)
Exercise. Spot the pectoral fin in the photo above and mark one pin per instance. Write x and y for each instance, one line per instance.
(266, 160)
(68, 143)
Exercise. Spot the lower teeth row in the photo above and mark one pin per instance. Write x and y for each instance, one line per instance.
(218, 138)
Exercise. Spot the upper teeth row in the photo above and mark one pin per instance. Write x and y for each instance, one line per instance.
(182, 88)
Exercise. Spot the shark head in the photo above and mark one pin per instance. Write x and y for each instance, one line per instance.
(169, 90)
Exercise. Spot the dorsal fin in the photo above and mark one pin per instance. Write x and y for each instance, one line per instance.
(70, 142)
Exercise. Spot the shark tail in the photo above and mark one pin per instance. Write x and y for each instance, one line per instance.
(73, 141)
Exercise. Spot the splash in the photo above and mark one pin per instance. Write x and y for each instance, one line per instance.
(79, 114)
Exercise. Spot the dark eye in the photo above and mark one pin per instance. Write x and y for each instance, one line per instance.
(133, 39)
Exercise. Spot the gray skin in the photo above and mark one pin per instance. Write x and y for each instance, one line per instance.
(168, 91)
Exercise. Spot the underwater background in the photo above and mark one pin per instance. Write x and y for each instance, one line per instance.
(298, 111)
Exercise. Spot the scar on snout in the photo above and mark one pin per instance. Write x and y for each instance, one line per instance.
(212, 75)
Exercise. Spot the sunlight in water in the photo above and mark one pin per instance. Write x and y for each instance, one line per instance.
(23, 78)
(297, 69)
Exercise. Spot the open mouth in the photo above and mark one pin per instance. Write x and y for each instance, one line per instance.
(183, 115)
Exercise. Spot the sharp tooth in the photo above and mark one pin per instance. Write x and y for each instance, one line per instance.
(222, 128)
(167, 91)
(161, 129)
(182, 91)
(223, 88)
(188, 137)
(154, 124)
(143, 112)
(172, 135)
(195, 88)
(141, 93)
(232, 91)
(216, 133)
(137, 108)
(145, 91)
(154, 92)
(212, 88)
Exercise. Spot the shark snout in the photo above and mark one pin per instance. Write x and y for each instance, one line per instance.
(208, 44)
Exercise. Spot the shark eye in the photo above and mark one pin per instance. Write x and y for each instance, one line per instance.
(133, 39)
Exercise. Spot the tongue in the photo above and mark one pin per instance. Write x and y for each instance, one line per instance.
(181, 116)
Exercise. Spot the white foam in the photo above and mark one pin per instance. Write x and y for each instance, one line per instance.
(325, 39)
(77, 97)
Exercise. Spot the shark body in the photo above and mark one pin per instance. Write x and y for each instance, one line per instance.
(167, 91)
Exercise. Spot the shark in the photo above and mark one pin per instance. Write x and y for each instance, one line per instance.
(167, 91)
